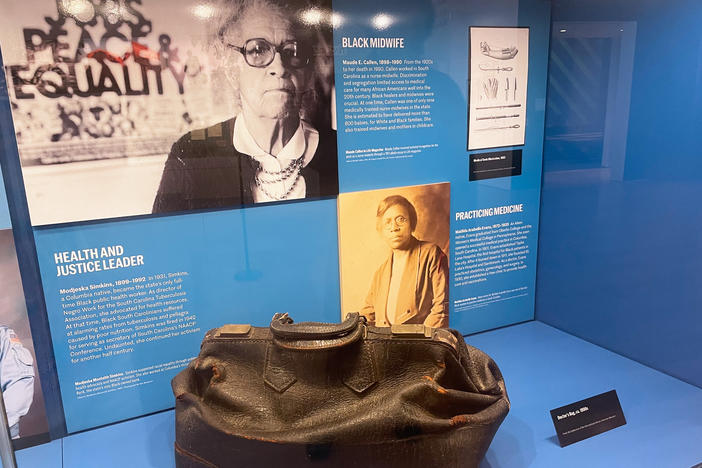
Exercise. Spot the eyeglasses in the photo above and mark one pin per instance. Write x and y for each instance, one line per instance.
(398, 221)
(260, 53)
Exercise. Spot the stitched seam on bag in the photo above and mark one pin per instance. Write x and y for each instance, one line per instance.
(200, 460)
(367, 340)
(405, 341)
(444, 433)
(441, 344)
(449, 432)
(237, 340)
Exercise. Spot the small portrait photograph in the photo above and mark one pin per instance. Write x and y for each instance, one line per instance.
(19, 377)
(393, 252)
(133, 108)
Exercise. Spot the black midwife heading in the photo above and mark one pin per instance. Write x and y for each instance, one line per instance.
(373, 42)
(70, 73)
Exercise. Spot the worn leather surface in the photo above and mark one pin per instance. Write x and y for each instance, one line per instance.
(382, 400)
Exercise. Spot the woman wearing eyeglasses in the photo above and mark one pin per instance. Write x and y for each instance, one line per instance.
(267, 152)
(411, 286)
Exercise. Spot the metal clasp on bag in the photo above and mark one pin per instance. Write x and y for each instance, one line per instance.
(226, 331)
(412, 329)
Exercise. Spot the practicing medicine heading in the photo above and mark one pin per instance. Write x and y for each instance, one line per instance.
(493, 211)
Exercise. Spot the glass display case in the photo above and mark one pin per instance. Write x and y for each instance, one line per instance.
(170, 167)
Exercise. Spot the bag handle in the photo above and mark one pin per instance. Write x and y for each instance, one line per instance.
(358, 371)
(316, 335)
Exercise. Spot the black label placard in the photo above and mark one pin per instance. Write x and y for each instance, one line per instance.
(495, 164)
(587, 418)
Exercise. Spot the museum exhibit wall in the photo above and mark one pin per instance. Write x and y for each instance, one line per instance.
(620, 246)
(127, 258)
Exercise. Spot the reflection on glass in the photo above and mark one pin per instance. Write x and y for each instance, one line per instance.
(203, 11)
(82, 10)
(382, 21)
(591, 65)
(337, 20)
(312, 16)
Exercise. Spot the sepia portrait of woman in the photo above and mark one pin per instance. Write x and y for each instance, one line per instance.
(411, 286)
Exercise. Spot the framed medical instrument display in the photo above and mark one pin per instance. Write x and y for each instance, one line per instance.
(499, 72)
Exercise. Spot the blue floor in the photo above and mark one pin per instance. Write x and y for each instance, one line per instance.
(544, 368)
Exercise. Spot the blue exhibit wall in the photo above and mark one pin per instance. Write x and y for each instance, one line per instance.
(620, 249)
(121, 301)
(436, 34)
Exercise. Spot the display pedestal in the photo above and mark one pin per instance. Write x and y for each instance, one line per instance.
(544, 368)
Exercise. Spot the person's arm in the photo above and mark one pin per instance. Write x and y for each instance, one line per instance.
(439, 272)
(17, 376)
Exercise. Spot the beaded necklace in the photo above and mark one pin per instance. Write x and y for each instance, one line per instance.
(291, 170)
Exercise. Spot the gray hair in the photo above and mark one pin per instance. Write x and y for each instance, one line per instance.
(317, 34)
(230, 12)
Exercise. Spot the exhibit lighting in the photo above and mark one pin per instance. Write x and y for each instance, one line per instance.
(82, 10)
(337, 19)
(111, 11)
(203, 11)
(563, 30)
(382, 21)
(312, 16)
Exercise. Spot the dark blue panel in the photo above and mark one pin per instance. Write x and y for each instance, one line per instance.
(620, 245)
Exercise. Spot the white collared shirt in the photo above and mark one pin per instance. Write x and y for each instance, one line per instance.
(303, 143)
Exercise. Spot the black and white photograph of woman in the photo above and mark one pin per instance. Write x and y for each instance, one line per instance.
(170, 106)
(280, 145)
